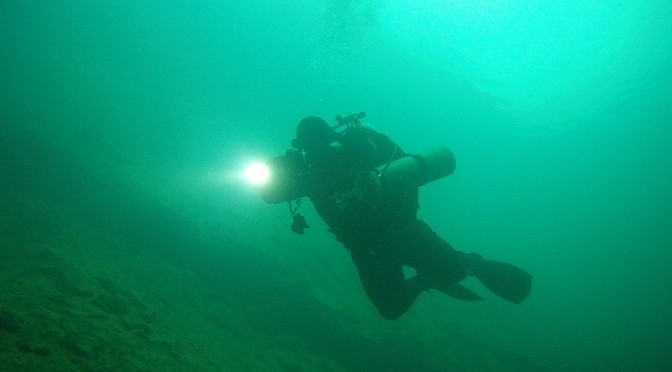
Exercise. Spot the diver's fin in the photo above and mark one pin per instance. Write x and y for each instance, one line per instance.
(505, 280)
(460, 292)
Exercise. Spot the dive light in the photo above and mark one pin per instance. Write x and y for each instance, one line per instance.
(285, 178)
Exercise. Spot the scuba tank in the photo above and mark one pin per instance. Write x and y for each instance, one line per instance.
(413, 171)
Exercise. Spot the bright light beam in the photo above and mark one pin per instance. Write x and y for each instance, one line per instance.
(257, 173)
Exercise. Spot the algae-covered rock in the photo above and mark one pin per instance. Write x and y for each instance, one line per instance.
(9, 322)
(34, 348)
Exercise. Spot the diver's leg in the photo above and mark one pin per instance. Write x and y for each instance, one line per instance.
(384, 282)
(439, 266)
(435, 259)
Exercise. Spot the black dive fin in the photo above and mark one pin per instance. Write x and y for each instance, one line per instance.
(460, 292)
(505, 280)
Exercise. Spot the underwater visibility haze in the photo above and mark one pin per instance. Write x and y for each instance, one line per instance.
(129, 240)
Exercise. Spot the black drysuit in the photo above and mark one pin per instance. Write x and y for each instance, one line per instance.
(380, 229)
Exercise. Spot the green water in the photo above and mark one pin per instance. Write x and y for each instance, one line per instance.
(129, 242)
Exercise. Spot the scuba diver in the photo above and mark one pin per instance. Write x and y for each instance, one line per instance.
(365, 188)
